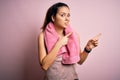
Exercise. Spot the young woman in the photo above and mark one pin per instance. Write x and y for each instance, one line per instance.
(59, 48)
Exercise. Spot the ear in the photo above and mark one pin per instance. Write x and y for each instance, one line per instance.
(52, 17)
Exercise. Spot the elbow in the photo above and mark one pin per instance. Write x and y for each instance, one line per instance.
(44, 67)
(80, 62)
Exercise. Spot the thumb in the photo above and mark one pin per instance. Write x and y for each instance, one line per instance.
(70, 33)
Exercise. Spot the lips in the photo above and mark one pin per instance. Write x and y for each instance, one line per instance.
(66, 24)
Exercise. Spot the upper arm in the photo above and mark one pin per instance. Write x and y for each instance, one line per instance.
(41, 47)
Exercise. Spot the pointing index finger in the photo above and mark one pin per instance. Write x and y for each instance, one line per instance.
(96, 37)
(70, 33)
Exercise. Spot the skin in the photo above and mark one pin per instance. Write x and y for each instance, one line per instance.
(61, 21)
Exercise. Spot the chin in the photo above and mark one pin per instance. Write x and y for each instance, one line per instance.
(65, 26)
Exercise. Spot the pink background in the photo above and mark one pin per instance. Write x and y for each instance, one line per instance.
(20, 22)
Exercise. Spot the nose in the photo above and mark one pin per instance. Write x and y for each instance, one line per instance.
(67, 18)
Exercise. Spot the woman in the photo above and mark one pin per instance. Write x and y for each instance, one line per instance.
(59, 48)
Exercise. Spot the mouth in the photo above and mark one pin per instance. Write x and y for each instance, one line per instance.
(66, 24)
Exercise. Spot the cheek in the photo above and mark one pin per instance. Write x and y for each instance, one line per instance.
(59, 21)
(59, 18)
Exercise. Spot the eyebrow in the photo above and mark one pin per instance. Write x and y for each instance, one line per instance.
(64, 12)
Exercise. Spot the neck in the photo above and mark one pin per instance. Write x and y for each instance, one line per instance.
(59, 31)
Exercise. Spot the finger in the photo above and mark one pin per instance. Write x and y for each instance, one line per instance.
(95, 44)
(68, 34)
(96, 37)
(95, 41)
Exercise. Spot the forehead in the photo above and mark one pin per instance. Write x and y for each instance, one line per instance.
(63, 9)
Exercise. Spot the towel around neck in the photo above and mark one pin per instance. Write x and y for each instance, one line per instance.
(73, 49)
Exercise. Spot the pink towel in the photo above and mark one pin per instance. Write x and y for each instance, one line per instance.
(73, 49)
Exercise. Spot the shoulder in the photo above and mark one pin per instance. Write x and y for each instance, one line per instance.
(41, 35)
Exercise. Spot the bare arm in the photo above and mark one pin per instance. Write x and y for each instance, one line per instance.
(92, 43)
(46, 59)
(83, 57)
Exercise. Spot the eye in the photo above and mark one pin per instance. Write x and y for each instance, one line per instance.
(68, 15)
(62, 15)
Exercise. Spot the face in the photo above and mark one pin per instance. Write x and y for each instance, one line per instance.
(62, 17)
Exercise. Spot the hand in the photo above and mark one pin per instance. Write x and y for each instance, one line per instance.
(64, 40)
(92, 43)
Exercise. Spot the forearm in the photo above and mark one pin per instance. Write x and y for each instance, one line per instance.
(83, 57)
(50, 57)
